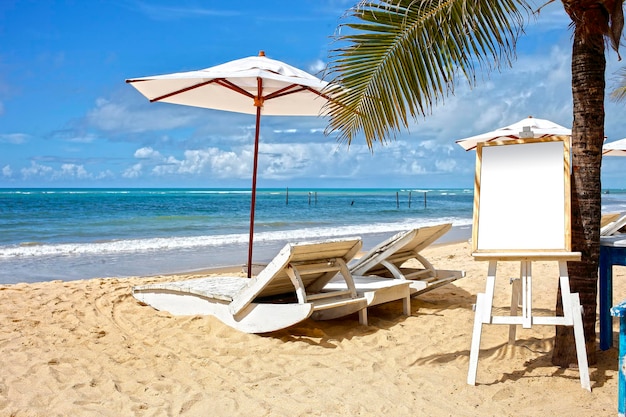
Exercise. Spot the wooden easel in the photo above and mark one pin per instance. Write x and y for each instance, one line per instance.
(522, 213)
(572, 309)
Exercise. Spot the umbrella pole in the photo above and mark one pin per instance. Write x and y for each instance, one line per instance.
(253, 200)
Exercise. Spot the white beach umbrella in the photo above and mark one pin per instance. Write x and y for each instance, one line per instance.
(615, 148)
(529, 127)
(254, 85)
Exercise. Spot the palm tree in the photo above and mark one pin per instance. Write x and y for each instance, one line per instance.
(400, 58)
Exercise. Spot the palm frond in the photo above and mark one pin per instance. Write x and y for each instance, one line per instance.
(399, 58)
(619, 94)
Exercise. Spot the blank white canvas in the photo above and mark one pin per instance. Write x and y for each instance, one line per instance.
(522, 197)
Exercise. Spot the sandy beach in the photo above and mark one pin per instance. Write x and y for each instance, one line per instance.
(88, 348)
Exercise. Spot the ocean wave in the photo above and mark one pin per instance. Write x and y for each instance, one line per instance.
(34, 249)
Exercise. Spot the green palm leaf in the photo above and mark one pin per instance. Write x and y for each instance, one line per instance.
(619, 93)
(400, 58)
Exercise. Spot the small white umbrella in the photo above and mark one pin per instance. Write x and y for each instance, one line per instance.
(254, 85)
(615, 148)
(529, 127)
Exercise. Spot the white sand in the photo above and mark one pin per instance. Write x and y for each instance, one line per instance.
(88, 348)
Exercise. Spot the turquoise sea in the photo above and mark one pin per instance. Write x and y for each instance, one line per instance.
(66, 234)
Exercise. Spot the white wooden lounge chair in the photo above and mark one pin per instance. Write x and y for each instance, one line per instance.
(289, 290)
(388, 260)
(612, 223)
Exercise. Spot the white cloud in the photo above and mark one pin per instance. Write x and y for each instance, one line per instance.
(36, 170)
(7, 171)
(66, 171)
(211, 161)
(416, 168)
(133, 172)
(86, 138)
(446, 165)
(14, 138)
(147, 153)
(71, 171)
(317, 67)
(106, 174)
(299, 160)
(122, 117)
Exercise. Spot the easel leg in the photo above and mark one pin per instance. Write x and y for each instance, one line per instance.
(527, 294)
(482, 315)
(475, 347)
(489, 290)
(579, 336)
(572, 310)
(516, 296)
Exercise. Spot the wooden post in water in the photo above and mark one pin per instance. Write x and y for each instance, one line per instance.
(424, 199)
(287, 197)
(309, 198)
(409, 199)
(397, 200)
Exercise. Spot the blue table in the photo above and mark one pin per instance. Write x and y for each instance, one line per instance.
(612, 252)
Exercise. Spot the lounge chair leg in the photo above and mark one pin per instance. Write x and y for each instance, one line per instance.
(407, 305)
(363, 316)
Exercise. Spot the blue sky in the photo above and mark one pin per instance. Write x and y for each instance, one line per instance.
(68, 119)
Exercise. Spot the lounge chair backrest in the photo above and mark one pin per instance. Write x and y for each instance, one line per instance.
(398, 249)
(608, 218)
(316, 262)
(614, 226)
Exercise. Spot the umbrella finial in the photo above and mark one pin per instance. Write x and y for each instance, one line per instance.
(261, 53)
(526, 132)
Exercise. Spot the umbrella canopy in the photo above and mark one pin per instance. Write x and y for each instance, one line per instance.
(616, 148)
(254, 85)
(282, 90)
(529, 127)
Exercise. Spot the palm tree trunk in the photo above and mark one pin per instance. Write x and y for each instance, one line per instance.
(588, 85)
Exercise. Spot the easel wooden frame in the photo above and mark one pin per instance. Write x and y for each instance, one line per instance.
(522, 213)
